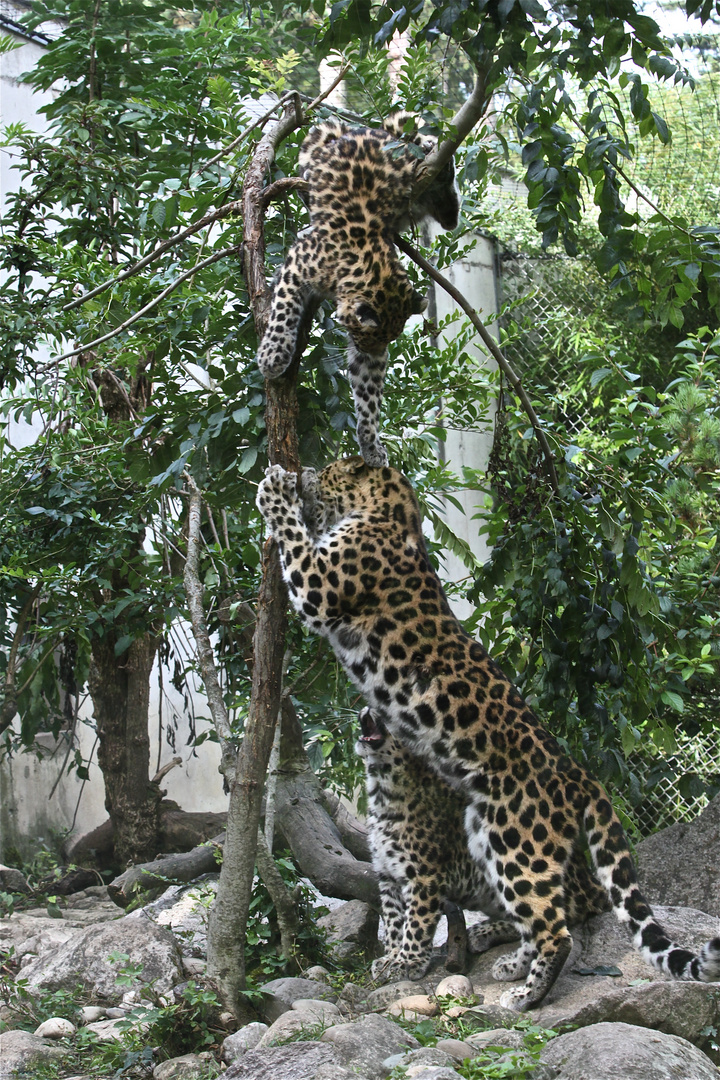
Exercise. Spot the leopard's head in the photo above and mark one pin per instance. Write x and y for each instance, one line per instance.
(349, 486)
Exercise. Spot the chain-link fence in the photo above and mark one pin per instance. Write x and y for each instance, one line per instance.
(555, 306)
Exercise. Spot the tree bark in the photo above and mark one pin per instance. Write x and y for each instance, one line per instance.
(120, 690)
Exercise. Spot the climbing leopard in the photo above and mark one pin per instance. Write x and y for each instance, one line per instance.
(363, 579)
(360, 194)
(421, 856)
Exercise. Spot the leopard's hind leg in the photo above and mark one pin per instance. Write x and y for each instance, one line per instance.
(367, 378)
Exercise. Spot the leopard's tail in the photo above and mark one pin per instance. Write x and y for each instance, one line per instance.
(615, 868)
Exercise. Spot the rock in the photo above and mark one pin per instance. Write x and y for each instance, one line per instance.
(90, 1014)
(282, 992)
(116, 1014)
(182, 909)
(455, 986)
(317, 973)
(600, 943)
(612, 1051)
(187, 1067)
(385, 995)
(295, 1024)
(83, 959)
(480, 1040)
(32, 936)
(422, 1057)
(237, 1044)
(55, 1028)
(673, 864)
(364, 1044)
(492, 1016)
(21, 1053)
(675, 1008)
(192, 966)
(12, 880)
(458, 1049)
(295, 1061)
(107, 1030)
(415, 1004)
(352, 927)
(433, 1072)
(325, 1011)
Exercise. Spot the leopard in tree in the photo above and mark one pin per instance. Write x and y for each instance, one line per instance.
(360, 195)
(357, 570)
(420, 854)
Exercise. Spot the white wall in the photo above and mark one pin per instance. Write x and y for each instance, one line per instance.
(475, 277)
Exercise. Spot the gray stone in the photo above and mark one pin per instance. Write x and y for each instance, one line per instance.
(325, 1011)
(366, 1043)
(295, 1061)
(603, 940)
(295, 1024)
(84, 959)
(237, 1044)
(458, 1049)
(90, 1014)
(180, 909)
(187, 1067)
(21, 1053)
(351, 927)
(625, 1052)
(12, 880)
(675, 1008)
(425, 1055)
(386, 995)
(317, 973)
(675, 865)
(32, 937)
(107, 1030)
(455, 986)
(433, 1072)
(280, 994)
(57, 1027)
(513, 1040)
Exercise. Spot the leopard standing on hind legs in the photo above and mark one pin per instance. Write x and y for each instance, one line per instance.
(357, 570)
(360, 195)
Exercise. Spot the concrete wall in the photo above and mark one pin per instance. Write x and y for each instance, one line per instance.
(475, 277)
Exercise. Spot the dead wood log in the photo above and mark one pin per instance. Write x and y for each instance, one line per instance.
(181, 867)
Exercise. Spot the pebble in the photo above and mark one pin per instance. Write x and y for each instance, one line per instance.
(55, 1028)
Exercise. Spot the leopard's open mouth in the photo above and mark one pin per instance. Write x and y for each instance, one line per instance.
(373, 730)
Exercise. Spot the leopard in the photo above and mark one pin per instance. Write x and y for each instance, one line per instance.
(421, 856)
(357, 570)
(360, 194)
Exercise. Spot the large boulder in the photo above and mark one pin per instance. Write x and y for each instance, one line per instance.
(294, 1061)
(681, 864)
(365, 1044)
(279, 995)
(351, 928)
(614, 1051)
(636, 994)
(83, 959)
(21, 1054)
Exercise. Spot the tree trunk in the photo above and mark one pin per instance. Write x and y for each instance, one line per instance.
(120, 690)
(229, 914)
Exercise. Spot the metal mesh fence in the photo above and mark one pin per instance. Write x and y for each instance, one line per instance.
(554, 305)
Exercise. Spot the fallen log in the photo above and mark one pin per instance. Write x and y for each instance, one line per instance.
(166, 870)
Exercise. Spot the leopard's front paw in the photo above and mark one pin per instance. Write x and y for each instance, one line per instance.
(276, 495)
(394, 968)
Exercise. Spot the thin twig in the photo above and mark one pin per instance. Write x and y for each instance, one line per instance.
(244, 134)
(208, 219)
(148, 307)
(493, 349)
